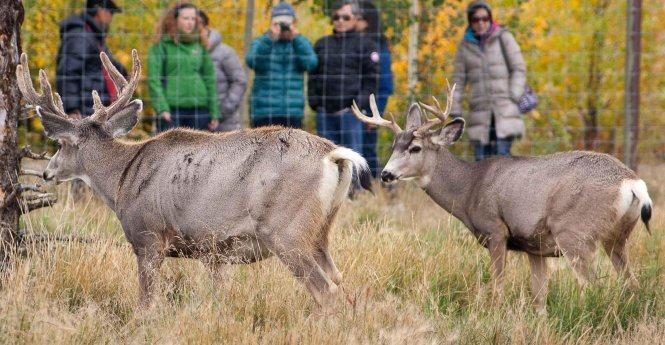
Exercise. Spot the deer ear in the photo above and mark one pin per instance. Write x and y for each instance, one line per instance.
(414, 117)
(450, 133)
(56, 127)
(125, 119)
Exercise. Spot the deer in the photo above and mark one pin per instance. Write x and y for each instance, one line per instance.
(562, 204)
(223, 198)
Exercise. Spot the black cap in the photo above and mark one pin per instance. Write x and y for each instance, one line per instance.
(105, 4)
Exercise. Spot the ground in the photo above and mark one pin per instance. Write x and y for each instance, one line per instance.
(412, 274)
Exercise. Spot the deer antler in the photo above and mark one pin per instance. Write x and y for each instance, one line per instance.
(125, 89)
(44, 102)
(441, 115)
(376, 118)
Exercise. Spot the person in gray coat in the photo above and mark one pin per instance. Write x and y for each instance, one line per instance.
(231, 78)
(490, 62)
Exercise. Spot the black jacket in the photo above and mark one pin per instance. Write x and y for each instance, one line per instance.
(348, 70)
(79, 69)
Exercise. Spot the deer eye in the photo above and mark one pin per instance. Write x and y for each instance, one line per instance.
(415, 149)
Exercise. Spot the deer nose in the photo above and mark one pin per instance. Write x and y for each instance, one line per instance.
(387, 176)
(46, 176)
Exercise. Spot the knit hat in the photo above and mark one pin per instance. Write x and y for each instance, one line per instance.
(283, 12)
(106, 4)
(473, 6)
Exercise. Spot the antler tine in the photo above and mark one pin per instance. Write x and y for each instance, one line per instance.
(125, 89)
(117, 77)
(46, 99)
(441, 115)
(376, 118)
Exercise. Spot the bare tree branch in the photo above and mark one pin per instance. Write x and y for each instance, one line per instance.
(30, 187)
(37, 203)
(27, 153)
(29, 172)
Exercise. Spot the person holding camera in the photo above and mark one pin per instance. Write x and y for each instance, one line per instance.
(280, 58)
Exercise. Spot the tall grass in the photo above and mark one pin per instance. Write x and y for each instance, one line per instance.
(412, 274)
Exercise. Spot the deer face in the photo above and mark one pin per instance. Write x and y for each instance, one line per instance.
(79, 139)
(416, 146)
(65, 164)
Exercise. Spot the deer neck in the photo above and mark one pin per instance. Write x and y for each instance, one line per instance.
(106, 166)
(448, 181)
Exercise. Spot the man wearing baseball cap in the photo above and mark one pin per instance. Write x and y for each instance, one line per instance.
(280, 58)
(79, 69)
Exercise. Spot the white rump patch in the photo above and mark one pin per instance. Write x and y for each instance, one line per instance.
(342, 153)
(328, 184)
(629, 188)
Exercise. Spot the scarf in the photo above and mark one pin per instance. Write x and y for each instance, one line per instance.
(480, 40)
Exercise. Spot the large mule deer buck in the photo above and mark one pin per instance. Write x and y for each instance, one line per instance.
(547, 206)
(229, 198)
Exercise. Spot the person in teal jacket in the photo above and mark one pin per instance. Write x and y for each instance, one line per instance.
(279, 58)
(181, 76)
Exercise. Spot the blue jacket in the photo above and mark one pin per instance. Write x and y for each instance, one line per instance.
(279, 68)
(386, 87)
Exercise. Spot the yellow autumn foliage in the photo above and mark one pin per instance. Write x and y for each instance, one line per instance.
(565, 43)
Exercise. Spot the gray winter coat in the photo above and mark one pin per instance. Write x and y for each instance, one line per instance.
(495, 85)
(231, 81)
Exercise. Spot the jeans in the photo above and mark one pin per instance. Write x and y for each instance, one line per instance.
(284, 121)
(342, 129)
(369, 150)
(496, 146)
(196, 118)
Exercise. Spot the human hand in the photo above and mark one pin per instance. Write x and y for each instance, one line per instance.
(166, 116)
(274, 31)
(212, 126)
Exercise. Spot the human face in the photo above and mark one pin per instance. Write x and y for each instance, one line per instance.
(480, 21)
(344, 20)
(103, 17)
(361, 25)
(187, 20)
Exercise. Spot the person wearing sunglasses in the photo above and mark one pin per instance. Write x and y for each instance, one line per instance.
(348, 71)
(490, 63)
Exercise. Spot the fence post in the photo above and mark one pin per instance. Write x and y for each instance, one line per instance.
(412, 53)
(632, 82)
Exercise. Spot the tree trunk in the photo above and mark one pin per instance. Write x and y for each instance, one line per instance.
(11, 18)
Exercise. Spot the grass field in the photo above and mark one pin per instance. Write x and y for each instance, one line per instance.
(412, 275)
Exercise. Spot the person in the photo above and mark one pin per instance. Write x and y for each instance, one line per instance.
(490, 61)
(369, 23)
(181, 76)
(348, 71)
(231, 78)
(279, 58)
(79, 70)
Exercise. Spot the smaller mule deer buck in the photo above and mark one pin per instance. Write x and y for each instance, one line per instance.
(230, 198)
(547, 206)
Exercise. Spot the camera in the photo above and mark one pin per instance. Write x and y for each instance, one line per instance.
(284, 27)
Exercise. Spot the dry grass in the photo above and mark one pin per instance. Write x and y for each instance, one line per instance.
(412, 272)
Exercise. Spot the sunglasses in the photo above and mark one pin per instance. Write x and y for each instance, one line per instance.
(344, 17)
(480, 19)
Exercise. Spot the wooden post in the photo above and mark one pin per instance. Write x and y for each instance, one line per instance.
(412, 53)
(632, 82)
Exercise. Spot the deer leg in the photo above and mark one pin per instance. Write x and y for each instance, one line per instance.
(497, 248)
(580, 254)
(323, 259)
(539, 278)
(149, 260)
(304, 267)
(616, 250)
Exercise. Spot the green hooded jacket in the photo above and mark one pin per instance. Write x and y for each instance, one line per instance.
(181, 75)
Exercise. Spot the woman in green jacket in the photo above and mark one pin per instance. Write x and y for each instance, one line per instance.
(181, 77)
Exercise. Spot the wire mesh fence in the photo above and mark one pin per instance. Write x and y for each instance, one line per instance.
(574, 54)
